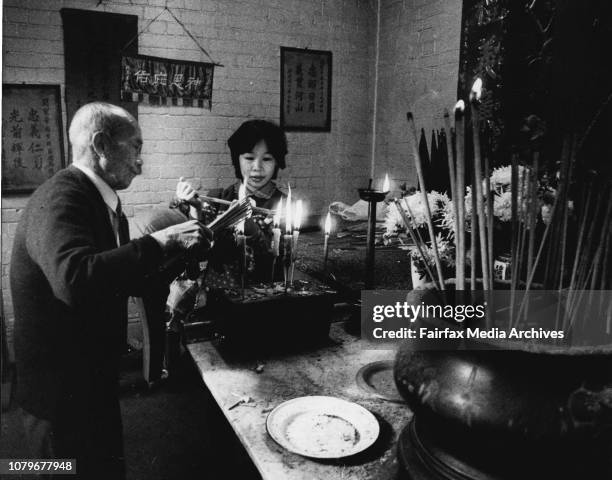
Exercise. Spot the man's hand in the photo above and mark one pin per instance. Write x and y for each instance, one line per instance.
(186, 193)
(184, 236)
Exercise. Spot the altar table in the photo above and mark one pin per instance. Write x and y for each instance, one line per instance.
(330, 370)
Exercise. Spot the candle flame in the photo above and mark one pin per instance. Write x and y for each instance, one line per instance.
(476, 92)
(297, 220)
(278, 213)
(288, 213)
(327, 224)
(460, 105)
(385, 187)
(241, 196)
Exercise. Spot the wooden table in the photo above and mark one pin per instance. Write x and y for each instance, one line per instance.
(327, 370)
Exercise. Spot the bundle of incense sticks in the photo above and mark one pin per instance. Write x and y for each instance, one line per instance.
(575, 263)
(423, 189)
(237, 212)
(416, 238)
(220, 201)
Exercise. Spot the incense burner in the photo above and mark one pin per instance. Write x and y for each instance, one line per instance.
(370, 195)
(505, 414)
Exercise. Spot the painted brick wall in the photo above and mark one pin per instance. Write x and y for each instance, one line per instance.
(419, 45)
(417, 68)
(245, 36)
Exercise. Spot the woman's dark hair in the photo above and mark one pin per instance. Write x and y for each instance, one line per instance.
(249, 134)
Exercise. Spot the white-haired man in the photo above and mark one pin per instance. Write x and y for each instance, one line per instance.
(72, 270)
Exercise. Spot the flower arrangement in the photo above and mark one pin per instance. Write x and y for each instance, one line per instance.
(413, 207)
(442, 212)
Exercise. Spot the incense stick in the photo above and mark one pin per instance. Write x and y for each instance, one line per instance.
(451, 171)
(459, 194)
(532, 208)
(232, 216)
(474, 100)
(220, 201)
(489, 217)
(408, 225)
(514, 237)
(473, 239)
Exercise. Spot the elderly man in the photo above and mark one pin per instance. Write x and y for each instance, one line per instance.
(72, 270)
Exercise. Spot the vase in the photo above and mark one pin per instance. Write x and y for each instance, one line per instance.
(506, 414)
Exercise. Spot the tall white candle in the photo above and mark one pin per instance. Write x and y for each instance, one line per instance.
(326, 241)
(241, 196)
(276, 231)
(288, 212)
(287, 239)
(297, 223)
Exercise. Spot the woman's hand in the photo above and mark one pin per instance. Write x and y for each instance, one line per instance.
(186, 193)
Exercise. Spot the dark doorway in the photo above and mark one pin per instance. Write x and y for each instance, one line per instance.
(93, 43)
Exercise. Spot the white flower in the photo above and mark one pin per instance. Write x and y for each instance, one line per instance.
(502, 206)
(546, 212)
(438, 203)
(501, 178)
(446, 252)
(393, 221)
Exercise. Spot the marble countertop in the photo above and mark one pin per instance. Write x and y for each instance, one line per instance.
(329, 369)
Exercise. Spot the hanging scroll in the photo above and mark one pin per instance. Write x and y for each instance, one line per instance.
(160, 81)
(305, 89)
(32, 141)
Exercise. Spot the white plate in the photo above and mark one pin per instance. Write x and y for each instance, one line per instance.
(322, 427)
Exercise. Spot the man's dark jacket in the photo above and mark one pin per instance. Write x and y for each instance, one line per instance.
(70, 284)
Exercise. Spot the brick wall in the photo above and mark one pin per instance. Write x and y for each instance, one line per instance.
(245, 36)
(417, 68)
(419, 41)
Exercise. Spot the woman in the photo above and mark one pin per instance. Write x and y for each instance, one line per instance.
(258, 150)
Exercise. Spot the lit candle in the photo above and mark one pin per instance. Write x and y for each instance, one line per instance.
(241, 240)
(297, 223)
(276, 234)
(288, 239)
(241, 196)
(276, 231)
(386, 184)
(326, 242)
(288, 212)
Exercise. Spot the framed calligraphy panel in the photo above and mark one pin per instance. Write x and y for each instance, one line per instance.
(32, 138)
(306, 80)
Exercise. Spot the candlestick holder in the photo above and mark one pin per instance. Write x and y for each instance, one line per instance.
(372, 197)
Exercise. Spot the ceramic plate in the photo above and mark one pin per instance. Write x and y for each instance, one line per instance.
(322, 427)
(376, 378)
